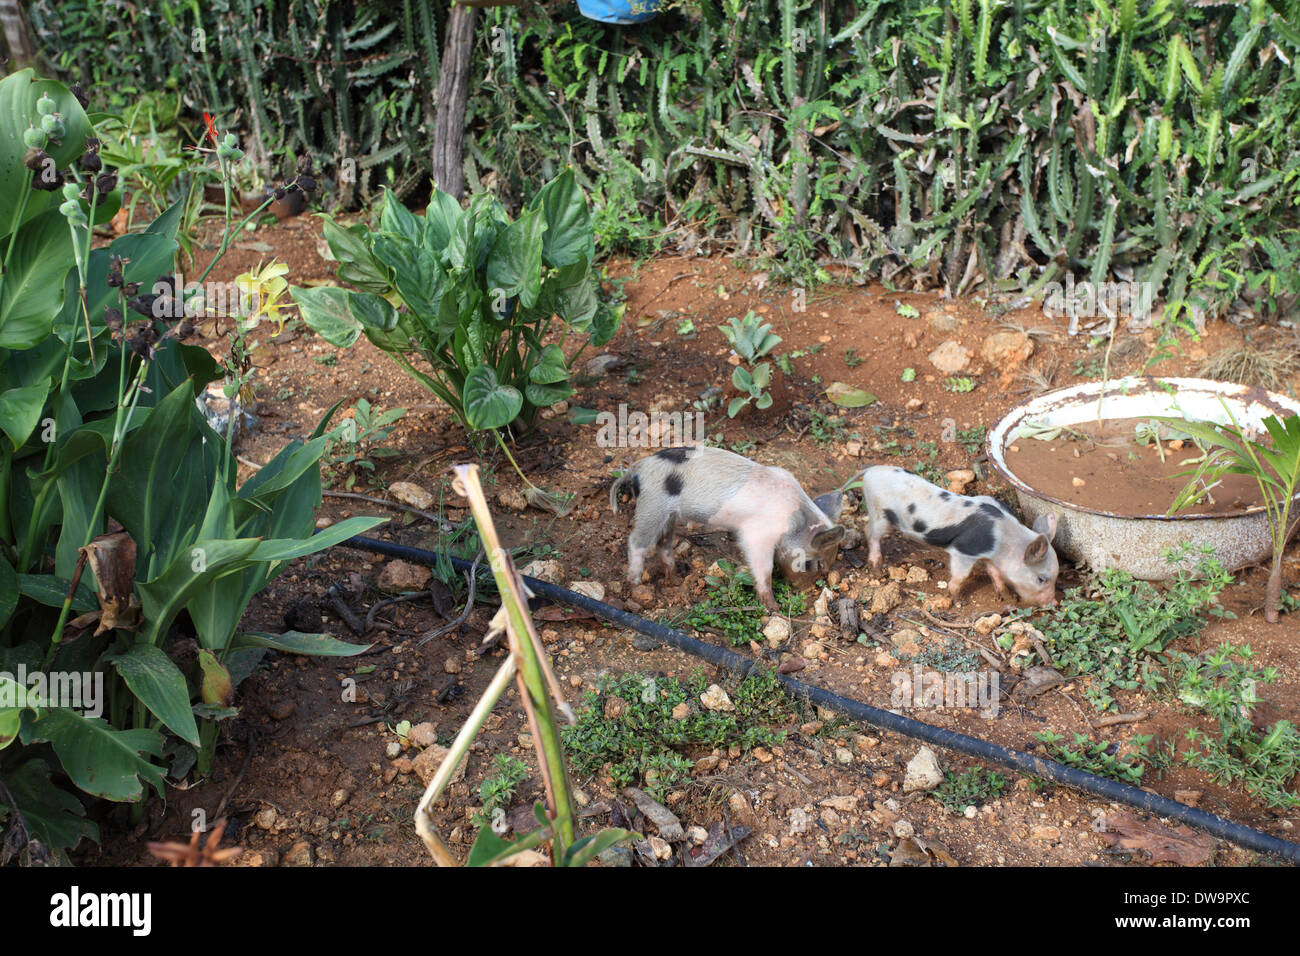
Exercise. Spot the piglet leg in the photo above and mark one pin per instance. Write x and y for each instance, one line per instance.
(759, 548)
(999, 585)
(960, 567)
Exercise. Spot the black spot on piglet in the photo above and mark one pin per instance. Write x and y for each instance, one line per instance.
(676, 455)
(911, 509)
(673, 484)
(891, 517)
(993, 511)
(636, 486)
(972, 536)
(918, 527)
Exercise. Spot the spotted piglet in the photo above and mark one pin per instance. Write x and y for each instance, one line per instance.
(771, 516)
(974, 530)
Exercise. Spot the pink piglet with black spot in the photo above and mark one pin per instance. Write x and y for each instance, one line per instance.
(772, 518)
(973, 530)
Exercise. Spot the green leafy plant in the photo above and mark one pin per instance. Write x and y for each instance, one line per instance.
(1221, 684)
(729, 609)
(1117, 631)
(110, 473)
(1100, 757)
(496, 791)
(752, 339)
(975, 787)
(1275, 468)
(627, 728)
(356, 441)
(955, 383)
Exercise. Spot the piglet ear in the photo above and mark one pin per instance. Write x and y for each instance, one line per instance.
(1037, 549)
(829, 537)
(1046, 525)
(831, 504)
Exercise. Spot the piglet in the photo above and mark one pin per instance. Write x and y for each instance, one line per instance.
(772, 518)
(972, 529)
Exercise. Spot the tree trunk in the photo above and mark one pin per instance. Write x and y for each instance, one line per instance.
(1273, 593)
(453, 98)
(19, 48)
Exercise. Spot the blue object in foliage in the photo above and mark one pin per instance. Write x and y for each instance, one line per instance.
(619, 11)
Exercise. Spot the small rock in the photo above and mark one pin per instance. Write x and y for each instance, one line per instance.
(939, 602)
(393, 750)
(265, 819)
(917, 575)
(404, 576)
(791, 664)
(886, 598)
(422, 735)
(430, 759)
(904, 636)
(958, 480)
(451, 665)
(282, 710)
(592, 589)
(340, 797)
(844, 755)
(923, 772)
(697, 835)
(762, 754)
(548, 571)
(715, 698)
(616, 856)
(812, 727)
(800, 821)
(600, 364)
(643, 594)
(662, 849)
(950, 357)
(844, 804)
(681, 711)
(777, 631)
(411, 494)
(1044, 834)
(1007, 349)
(1077, 482)
(970, 812)
(300, 854)
(987, 624)
(1190, 797)
(814, 651)
(903, 830)
(512, 499)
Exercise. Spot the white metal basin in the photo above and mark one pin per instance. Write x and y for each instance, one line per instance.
(1138, 543)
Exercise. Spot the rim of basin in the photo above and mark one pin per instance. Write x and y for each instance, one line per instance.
(1250, 404)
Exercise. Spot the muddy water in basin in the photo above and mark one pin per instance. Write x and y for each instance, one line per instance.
(1106, 468)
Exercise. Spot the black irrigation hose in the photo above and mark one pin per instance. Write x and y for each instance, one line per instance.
(1244, 836)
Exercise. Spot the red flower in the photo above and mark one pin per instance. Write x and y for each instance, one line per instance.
(212, 130)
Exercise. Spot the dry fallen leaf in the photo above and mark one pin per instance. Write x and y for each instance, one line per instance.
(1180, 845)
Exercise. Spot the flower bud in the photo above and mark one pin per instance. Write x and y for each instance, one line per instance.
(33, 138)
(70, 191)
(45, 105)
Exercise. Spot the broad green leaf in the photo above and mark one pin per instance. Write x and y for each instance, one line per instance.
(399, 220)
(357, 266)
(155, 679)
(33, 282)
(373, 311)
(569, 236)
(515, 263)
(488, 403)
(551, 367)
(19, 93)
(579, 306)
(544, 396)
(847, 396)
(295, 642)
(20, 410)
(14, 700)
(440, 220)
(101, 761)
(327, 312)
(51, 814)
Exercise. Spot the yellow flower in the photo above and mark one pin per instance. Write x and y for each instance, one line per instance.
(260, 292)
